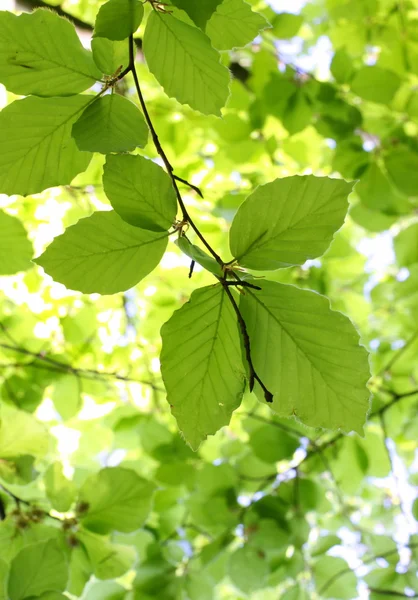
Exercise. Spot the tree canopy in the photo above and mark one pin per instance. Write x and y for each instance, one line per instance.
(208, 317)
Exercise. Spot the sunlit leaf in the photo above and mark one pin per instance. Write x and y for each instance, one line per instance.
(118, 19)
(140, 192)
(110, 124)
(44, 567)
(201, 364)
(41, 54)
(288, 221)
(115, 499)
(185, 64)
(15, 249)
(36, 147)
(308, 356)
(103, 254)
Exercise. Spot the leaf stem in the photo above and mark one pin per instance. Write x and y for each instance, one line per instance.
(187, 218)
(247, 346)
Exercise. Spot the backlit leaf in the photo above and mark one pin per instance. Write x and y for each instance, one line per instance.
(247, 569)
(41, 54)
(201, 364)
(116, 499)
(199, 256)
(185, 64)
(110, 124)
(118, 19)
(60, 490)
(103, 254)
(109, 55)
(288, 221)
(21, 433)
(375, 84)
(44, 567)
(140, 191)
(234, 25)
(36, 147)
(308, 356)
(200, 12)
(15, 249)
(402, 167)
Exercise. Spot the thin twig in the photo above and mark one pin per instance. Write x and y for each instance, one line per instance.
(193, 187)
(247, 346)
(281, 426)
(61, 367)
(20, 501)
(367, 561)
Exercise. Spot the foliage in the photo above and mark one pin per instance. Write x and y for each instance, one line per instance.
(173, 237)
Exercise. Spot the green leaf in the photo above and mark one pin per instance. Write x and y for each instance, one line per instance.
(308, 356)
(402, 167)
(103, 254)
(271, 444)
(52, 596)
(109, 590)
(118, 19)
(15, 249)
(343, 588)
(59, 490)
(21, 434)
(286, 25)
(110, 55)
(66, 394)
(36, 147)
(342, 66)
(110, 124)
(4, 574)
(80, 571)
(406, 246)
(108, 560)
(201, 364)
(288, 221)
(234, 25)
(199, 586)
(377, 192)
(415, 509)
(41, 54)
(117, 498)
(199, 256)
(324, 543)
(185, 64)
(298, 112)
(370, 219)
(247, 569)
(140, 191)
(38, 568)
(199, 12)
(296, 593)
(375, 84)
